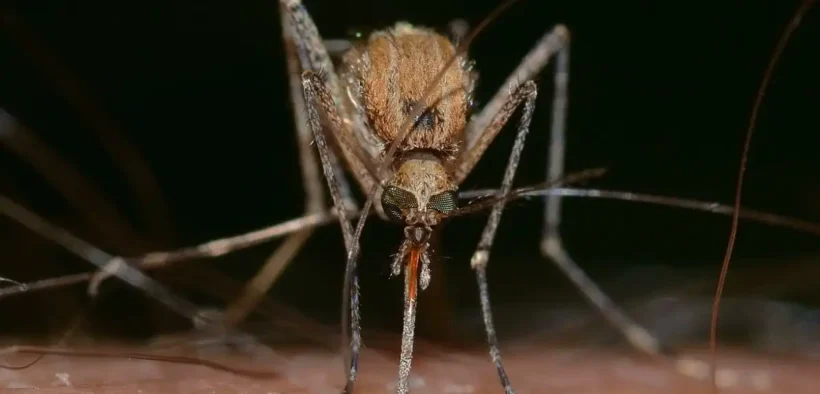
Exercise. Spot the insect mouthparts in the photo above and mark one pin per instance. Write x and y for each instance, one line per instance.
(417, 234)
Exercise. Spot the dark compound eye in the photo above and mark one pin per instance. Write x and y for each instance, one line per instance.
(444, 202)
(396, 200)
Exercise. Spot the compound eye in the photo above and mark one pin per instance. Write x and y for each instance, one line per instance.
(444, 202)
(396, 201)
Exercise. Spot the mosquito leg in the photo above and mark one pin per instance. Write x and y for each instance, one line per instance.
(527, 93)
(551, 244)
(479, 133)
(304, 53)
(314, 197)
(127, 273)
(314, 56)
(317, 95)
(553, 44)
(344, 186)
(326, 94)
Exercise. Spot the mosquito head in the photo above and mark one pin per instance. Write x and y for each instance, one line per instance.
(419, 194)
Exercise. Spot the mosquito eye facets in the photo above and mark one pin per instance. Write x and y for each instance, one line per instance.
(444, 202)
(396, 200)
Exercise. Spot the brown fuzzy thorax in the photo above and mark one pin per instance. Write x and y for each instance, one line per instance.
(394, 68)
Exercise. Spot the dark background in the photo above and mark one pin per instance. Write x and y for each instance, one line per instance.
(660, 94)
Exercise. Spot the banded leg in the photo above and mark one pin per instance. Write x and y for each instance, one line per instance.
(479, 135)
(555, 43)
(527, 93)
(318, 97)
(314, 56)
(325, 93)
(551, 244)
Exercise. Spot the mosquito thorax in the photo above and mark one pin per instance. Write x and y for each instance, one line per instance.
(389, 72)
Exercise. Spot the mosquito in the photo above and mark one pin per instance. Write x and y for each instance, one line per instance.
(398, 111)
(387, 109)
(407, 136)
(409, 139)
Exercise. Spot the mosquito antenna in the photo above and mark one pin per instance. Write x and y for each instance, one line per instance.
(225, 245)
(724, 270)
(695, 205)
(529, 190)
